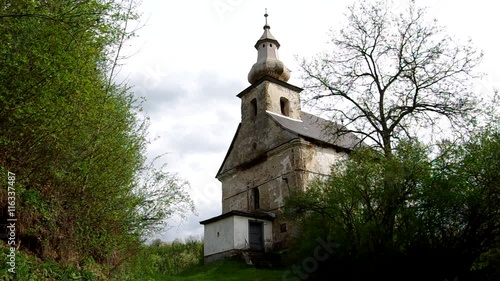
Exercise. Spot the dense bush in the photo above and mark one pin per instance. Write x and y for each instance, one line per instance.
(415, 216)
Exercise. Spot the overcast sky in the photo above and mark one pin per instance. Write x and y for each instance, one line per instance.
(192, 58)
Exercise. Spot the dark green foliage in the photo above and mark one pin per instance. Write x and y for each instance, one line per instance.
(30, 268)
(400, 210)
(177, 261)
(409, 217)
(75, 138)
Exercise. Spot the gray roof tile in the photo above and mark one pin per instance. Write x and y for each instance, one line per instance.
(317, 128)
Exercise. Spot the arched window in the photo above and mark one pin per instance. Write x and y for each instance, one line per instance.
(256, 198)
(285, 106)
(253, 104)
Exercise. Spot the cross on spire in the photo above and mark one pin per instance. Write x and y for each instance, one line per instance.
(266, 15)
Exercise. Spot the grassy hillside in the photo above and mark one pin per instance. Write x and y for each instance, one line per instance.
(183, 261)
(168, 262)
(228, 270)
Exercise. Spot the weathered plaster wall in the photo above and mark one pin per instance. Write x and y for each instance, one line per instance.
(272, 178)
(287, 168)
(275, 92)
(267, 95)
(317, 161)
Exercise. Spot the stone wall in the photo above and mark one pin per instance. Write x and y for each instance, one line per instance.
(285, 169)
(258, 133)
(272, 177)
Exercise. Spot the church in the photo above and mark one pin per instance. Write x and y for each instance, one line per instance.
(277, 150)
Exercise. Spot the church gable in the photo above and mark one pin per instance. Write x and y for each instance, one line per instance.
(271, 117)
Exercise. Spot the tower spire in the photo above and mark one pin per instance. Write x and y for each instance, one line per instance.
(268, 63)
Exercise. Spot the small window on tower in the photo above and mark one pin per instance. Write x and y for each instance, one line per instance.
(256, 198)
(253, 104)
(285, 106)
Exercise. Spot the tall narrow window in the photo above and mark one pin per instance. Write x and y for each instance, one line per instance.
(253, 104)
(256, 198)
(285, 106)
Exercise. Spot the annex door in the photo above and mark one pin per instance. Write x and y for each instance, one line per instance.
(256, 235)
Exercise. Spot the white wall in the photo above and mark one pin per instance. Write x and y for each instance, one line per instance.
(225, 241)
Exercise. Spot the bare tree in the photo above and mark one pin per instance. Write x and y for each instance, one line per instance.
(391, 74)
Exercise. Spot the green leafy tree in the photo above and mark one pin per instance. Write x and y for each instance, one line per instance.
(73, 136)
(445, 207)
(393, 76)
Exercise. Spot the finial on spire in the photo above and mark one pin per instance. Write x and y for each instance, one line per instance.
(266, 15)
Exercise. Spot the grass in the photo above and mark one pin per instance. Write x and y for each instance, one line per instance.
(162, 262)
(182, 261)
(227, 270)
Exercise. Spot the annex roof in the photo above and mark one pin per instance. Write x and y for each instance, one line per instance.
(256, 215)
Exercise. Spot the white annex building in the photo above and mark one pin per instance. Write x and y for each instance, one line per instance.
(276, 151)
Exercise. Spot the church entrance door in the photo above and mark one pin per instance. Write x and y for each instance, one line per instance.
(256, 235)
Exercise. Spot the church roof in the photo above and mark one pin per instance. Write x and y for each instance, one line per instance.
(264, 215)
(316, 128)
(310, 127)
